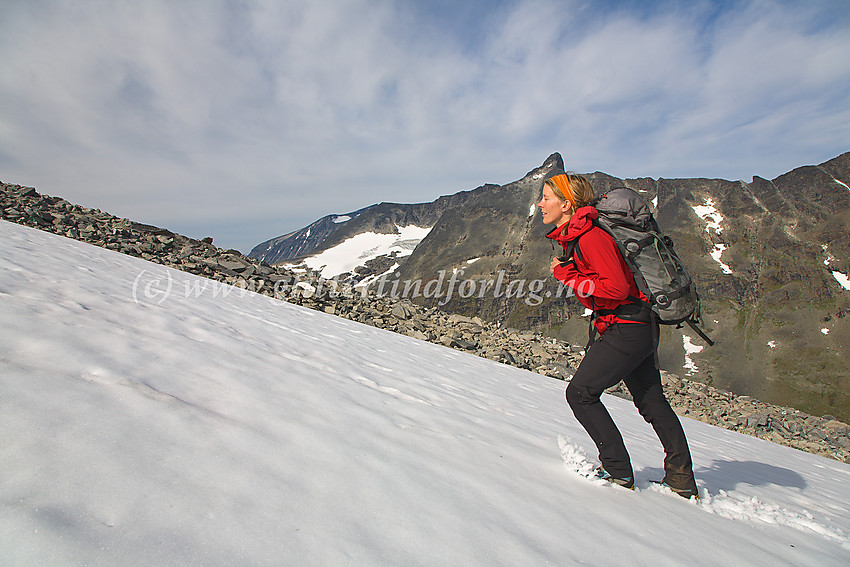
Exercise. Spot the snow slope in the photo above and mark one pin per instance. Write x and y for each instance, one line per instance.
(149, 420)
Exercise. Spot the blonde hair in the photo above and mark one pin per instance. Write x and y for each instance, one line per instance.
(571, 187)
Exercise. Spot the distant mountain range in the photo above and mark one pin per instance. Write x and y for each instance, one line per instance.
(771, 259)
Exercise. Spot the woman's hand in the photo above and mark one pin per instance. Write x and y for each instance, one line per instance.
(553, 264)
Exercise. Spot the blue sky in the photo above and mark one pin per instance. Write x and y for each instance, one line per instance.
(244, 120)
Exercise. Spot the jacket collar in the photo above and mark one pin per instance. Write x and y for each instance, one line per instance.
(579, 223)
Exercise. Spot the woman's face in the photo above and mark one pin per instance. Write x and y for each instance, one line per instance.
(555, 211)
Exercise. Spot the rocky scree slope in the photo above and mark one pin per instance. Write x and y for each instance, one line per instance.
(824, 436)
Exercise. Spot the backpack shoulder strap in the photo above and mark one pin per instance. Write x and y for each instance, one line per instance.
(573, 249)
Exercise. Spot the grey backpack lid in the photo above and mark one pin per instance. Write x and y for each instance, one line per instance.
(624, 206)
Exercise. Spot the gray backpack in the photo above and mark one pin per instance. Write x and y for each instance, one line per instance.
(658, 271)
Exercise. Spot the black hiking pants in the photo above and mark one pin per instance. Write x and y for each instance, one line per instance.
(626, 351)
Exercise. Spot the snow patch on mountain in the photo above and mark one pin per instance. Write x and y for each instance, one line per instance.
(841, 278)
(690, 349)
(361, 248)
(829, 257)
(709, 213)
(367, 281)
(717, 253)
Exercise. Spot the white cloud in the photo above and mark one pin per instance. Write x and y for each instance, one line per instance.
(201, 114)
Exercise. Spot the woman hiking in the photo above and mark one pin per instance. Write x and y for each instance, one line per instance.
(625, 348)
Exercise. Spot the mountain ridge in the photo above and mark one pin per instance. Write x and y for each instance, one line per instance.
(767, 256)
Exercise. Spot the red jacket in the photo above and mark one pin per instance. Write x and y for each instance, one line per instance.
(599, 276)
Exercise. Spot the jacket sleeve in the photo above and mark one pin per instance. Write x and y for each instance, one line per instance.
(600, 271)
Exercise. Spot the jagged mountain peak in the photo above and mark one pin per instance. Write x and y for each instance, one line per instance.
(554, 161)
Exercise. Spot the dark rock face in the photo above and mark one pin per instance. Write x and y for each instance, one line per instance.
(762, 253)
(382, 218)
(532, 351)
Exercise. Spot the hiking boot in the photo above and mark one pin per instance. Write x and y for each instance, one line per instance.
(688, 493)
(625, 482)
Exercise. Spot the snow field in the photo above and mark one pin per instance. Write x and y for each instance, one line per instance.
(174, 428)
